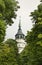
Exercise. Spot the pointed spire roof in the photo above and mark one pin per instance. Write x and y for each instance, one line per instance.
(19, 33)
(19, 24)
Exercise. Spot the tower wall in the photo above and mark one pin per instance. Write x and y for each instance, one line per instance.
(21, 45)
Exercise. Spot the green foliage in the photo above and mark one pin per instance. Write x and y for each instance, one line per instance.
(13, 43)
(8, 10)
(2, 30)
(4, 50)
(32, 54)
(8, 50)
(40, 36)
(9, 53)
(37, 14)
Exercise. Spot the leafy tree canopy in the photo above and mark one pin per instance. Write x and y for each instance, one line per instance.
(32, 54)
(2, 30)
(9, 53)
(8, 10)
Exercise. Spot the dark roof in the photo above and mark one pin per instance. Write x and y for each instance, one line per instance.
(19, 33)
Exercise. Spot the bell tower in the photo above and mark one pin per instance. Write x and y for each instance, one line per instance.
(20, 38)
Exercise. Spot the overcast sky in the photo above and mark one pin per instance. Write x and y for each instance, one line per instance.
(26, 6)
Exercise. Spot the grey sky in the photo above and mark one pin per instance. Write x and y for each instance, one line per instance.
(26, 6)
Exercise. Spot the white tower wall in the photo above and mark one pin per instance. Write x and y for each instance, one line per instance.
(21, 45)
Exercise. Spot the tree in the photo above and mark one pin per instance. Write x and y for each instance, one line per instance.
(2, 30)
(8, 10)
(4, 50)
(32, 54)
(9, 53)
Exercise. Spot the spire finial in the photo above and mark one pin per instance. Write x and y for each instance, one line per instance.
(19, 18)
(20, 22)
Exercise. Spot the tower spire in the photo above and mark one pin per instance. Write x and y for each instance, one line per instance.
(20, 38)
(20, 22)
(20, 34)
